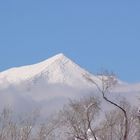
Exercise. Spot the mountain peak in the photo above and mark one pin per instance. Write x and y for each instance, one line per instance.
(56, 57)
(59, 55)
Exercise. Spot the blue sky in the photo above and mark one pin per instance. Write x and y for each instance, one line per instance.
(95, 34)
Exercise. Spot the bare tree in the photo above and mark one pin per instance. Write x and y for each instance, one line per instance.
(107, 81)
(46, 130)
(26, 127)
(112, 127)
(5, 120)
(79, 117)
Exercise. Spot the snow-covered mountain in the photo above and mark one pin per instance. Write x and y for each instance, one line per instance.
(50, 83)
(58, 69)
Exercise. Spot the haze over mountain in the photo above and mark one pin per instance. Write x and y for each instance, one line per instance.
(49, 84)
